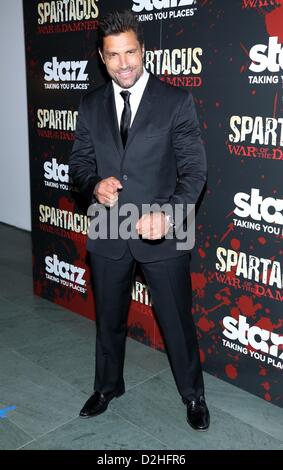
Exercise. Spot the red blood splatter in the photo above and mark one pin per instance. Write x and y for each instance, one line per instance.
(265, 385)
(226, 301)
(245, 50)
(223, 297)
(231, 274)
(273, 23)
(202, 356)
(223, 293)
(247, 306)
(199, 281)
(235, 244)
(202, 253)
(38, 288)
(66, 204)
(263, 371)
(266, 324)
(230, 228)
(275, 105)
(231, 371)
(235, 313)
(205, 325)
(261, 240)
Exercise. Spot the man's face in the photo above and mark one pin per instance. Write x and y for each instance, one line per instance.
(123, 57)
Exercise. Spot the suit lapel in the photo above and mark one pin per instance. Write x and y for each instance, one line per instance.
(111, 118)
(143, 112)
(141, 117)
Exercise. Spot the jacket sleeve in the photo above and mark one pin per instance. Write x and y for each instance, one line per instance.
(82, 162)
(190, 159)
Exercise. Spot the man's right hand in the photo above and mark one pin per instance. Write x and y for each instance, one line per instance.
(106, 191)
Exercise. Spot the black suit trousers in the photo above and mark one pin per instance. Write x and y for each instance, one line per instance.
(170, 287)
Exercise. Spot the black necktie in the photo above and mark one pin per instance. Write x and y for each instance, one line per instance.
(126, 116)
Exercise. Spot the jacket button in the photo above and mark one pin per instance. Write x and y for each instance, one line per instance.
(125, 177)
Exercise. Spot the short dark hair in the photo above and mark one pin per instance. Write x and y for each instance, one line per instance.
(118, 22)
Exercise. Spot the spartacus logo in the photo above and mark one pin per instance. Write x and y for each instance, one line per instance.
(57, 119)
(266, 58)
(261, 277)
(71, 74)
(256, 137)
(163, 9)
(251, 267)
(257, 130)
(65, 16)
(67, 10)
(56, 123)
(260, 3)
(179, 67)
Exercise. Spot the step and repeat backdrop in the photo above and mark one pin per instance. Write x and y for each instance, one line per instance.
(230, 56)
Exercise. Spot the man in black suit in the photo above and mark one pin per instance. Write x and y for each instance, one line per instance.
(138, 142)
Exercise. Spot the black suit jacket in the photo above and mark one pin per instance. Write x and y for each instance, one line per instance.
(163, 161)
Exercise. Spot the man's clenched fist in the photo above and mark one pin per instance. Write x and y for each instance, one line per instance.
(106, 191)
(153, 226)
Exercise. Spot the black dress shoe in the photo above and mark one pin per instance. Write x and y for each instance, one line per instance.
(198, 414)
(98, 403)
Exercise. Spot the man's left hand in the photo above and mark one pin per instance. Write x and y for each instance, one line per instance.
(153, 226)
